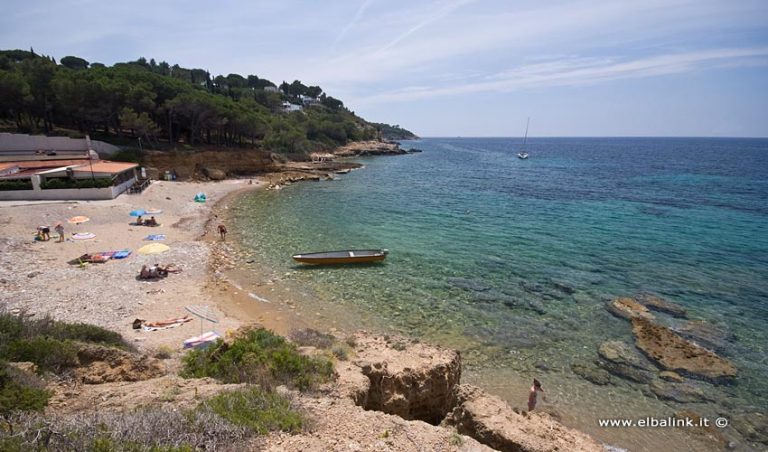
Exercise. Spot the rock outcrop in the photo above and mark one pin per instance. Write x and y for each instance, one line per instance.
(421, 382)
(628, 308)
(104, 364)
(659, 304)
(492, 422)
(369, 148)
(623, 360)
(410, 380)
(672, 352)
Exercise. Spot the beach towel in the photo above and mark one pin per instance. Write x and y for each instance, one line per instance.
(121, 254)
(155, 237)
(202, 341)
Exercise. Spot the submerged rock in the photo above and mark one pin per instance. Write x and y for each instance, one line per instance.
(473, 285)
(679, 392)
(658, 304)
(707, 335)
(628, 308)
(624, 361)
(710, 432)
(754, 426)
(672, 352)
(592, 374)
(671, 376)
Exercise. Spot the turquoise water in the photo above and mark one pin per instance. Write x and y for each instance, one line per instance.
(512, 260)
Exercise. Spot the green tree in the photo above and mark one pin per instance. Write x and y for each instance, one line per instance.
(74, 63)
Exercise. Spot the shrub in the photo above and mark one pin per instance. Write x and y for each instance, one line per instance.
(310, 337)
(57, 183)
(20, 392)
(153, 430)
(260, 357)
(14, 327)
(87, 333)
(8, 185)
(255, 409)
(49, 354)
(340, 352)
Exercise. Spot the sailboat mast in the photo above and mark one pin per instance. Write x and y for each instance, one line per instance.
(526, 130)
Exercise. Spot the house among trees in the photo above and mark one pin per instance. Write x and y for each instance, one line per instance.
(58, 168)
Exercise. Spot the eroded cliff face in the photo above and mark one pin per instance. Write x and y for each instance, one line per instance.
(422, 382)
(410, 380)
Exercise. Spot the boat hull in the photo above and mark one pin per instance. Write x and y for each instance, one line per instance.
(341, 257)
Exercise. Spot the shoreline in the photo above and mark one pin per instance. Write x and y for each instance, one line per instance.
(206, 278)
(509, 386)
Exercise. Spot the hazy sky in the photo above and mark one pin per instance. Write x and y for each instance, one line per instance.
(452, 67)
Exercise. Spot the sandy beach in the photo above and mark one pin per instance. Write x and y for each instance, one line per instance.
(37, 279)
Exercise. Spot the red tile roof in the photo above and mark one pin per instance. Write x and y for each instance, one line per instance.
(104, 166)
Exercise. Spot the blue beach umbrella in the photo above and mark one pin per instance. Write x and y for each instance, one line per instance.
(137, 212)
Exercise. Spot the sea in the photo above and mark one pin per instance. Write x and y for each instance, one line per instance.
(512, 262)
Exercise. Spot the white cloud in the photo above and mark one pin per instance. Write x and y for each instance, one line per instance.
(579, 71)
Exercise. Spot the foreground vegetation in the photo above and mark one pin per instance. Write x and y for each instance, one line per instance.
(158, 102)
(229, 419)
(258, 357)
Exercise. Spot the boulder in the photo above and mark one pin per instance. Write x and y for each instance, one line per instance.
(672, 352)
(628, 308)
(214, 174)
(658, 304)
(491, 421)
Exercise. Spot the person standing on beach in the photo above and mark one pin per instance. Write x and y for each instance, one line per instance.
(59, 228)
(533, 394)
(223, 231)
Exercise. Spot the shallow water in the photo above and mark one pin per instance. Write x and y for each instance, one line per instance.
(511, 261)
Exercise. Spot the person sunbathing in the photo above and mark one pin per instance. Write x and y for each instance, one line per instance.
(139, 221)
(145, 273)
(151, 222)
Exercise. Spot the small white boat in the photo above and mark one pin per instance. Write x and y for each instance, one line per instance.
(342, 257)
(522, 154)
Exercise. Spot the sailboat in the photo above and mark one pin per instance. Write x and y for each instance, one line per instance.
(522, 154)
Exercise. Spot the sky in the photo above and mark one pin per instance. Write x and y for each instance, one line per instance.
(452, 67)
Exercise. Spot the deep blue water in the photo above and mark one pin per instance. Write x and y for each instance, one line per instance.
(512, 260)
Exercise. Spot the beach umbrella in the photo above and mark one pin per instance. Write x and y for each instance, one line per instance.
(153, 211)
(78, 219)
(153, 248)
(204, 312)
(137, 212)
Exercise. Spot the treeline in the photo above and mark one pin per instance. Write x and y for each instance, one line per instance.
(166, 104)
(389, 132)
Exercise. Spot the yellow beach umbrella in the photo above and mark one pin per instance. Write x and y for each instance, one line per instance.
(153, 248)
(78, 219)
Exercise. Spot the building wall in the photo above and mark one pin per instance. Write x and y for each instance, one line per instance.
(24, 142)
(66, 194)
